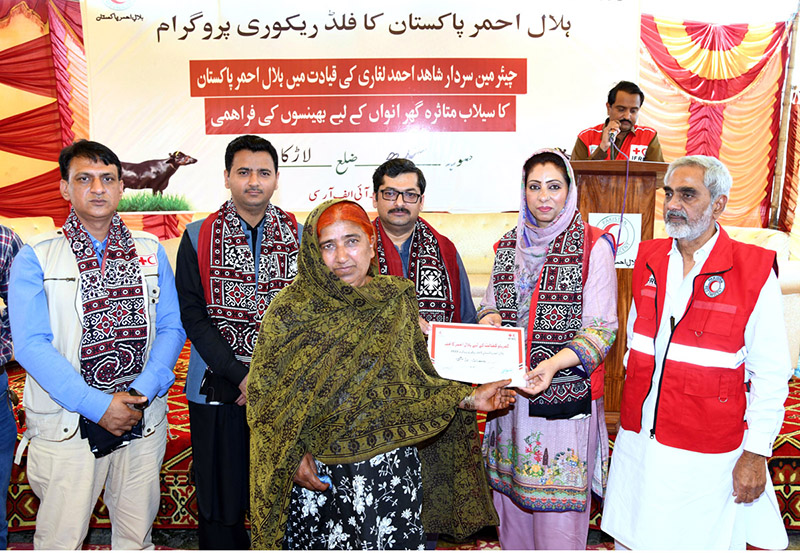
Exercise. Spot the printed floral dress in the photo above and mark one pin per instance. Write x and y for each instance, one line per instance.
(373, 504)
(542, 465)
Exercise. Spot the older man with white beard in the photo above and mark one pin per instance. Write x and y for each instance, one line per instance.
(706, 378)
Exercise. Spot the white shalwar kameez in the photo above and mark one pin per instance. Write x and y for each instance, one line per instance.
(661, 497)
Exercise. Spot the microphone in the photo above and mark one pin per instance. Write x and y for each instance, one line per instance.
(612, 135)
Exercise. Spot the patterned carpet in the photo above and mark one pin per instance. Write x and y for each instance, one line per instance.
(483, 544)
(178, 505)
(784, 466)
(178, 508)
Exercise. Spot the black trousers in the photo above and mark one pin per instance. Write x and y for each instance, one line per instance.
(221, 459)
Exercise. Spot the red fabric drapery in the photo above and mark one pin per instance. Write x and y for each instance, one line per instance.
(705, 123)
(792, 175)
(37, 6)
(35, 133)
(51, 63)
(65, 25)
(68, 12)
(34, 197)
(715, 38)
(29, 66)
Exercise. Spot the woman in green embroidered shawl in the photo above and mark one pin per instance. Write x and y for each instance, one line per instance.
(341, 387)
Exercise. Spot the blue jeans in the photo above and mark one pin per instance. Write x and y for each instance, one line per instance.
(8, 439)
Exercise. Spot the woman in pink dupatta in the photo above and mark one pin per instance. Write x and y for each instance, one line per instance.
(554, 277)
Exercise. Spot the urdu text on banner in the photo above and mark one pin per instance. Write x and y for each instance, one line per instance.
(466, 91)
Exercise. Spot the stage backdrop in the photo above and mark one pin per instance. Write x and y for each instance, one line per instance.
(717, 90)
(43, 102)
(466, 90)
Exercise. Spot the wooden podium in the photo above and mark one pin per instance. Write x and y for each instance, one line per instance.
(601, 189)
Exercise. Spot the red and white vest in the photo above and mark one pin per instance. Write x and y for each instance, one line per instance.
(634, 146)
(701, 401)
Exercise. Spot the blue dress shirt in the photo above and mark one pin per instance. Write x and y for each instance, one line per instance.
(33, 339)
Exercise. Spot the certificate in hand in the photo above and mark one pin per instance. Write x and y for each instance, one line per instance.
(477, 353)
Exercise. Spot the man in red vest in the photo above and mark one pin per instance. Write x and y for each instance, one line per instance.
(706, 379)
(629, 140)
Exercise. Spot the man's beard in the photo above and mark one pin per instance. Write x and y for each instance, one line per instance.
(688, 230)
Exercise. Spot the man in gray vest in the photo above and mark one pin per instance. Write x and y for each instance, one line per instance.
(95, 322)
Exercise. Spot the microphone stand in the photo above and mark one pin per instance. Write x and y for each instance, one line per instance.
(625, 195)
(612, 145)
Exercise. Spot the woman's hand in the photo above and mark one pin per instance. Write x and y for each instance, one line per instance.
(539, 378)
(306, 475)
(490, 397)
(491, 319)
(425, 326)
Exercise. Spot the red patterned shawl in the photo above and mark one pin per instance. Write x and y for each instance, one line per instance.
(236, 302)
(115, 327)
(432, 267)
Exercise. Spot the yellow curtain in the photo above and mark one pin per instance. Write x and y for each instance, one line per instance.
(692, 72)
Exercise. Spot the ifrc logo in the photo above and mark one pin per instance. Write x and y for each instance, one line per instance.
(638, 153)
(651, 281)
(148, 260)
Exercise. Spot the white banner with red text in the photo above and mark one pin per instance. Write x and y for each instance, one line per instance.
(466, 90)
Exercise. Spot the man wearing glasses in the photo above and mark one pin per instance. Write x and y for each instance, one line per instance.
(409, 247)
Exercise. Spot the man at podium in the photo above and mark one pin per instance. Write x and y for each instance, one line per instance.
(629, 140)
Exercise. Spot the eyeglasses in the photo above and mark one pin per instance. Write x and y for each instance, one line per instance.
(390, 195)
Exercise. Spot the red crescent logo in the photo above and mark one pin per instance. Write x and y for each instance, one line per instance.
(610, 230)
